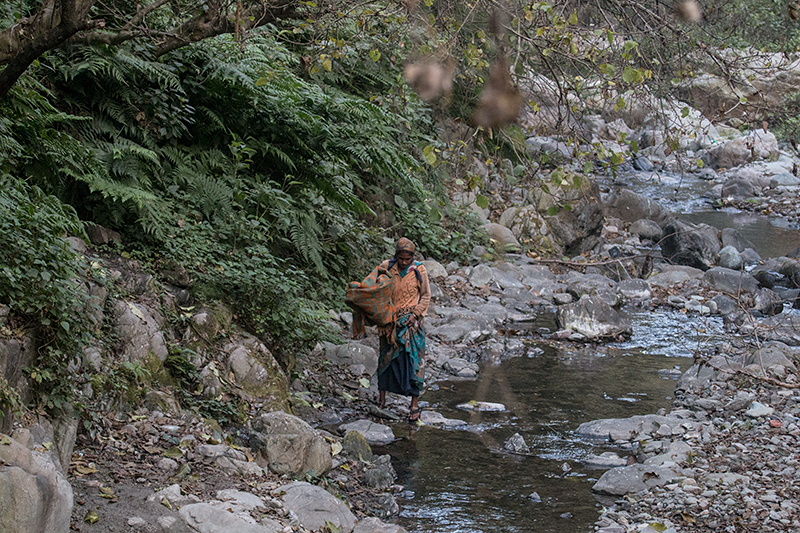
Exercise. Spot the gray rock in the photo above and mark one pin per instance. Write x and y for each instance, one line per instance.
(633, 289)
(432, 418)
(289, 445)
(774, 353)
(758, 409)
(634, 478)
(461, 368)
(140, 330)
(34, 494)
(100, 235)
(210, 518)
(256, 370)
(353, 353)
(516, 444)
(480, 275)
(374, 525)
(668, 279)
(730, 281)
(729, 257)
(379, 474)
(733, 237)
(738, 188)
(784, 179)
(503, 236)
(592, 318)
(623, 429)
(767, 302)
(375, 434)
(725, 305)
(646, 229)
(314, 506)
(630, 207)
(435, 269)
(562, 298)
(604, 460)
(688, 244)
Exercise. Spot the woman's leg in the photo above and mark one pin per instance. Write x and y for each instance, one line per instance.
(413, 415)
(382, 399)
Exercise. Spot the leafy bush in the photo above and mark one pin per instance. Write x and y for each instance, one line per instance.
(40, 280)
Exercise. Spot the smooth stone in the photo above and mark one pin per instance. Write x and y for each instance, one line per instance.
(374, 433)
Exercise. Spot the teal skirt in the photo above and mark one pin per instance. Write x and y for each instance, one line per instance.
(401, 367)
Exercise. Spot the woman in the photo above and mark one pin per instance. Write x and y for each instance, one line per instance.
(401, 367)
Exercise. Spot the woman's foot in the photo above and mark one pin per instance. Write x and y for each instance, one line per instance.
(413, 415)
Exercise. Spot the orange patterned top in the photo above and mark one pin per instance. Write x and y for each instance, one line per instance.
(410, 294)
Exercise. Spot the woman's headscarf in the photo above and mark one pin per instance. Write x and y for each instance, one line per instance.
(404, 245)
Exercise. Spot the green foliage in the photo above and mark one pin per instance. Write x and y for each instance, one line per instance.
(40, 280)
(189, 389)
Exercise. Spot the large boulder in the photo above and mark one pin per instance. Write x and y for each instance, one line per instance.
(217, 517)
(502, 236)
(774, 353)
(531, 228)
(257, 371)
(353, 353)
(634, 478)
(730, 281)
(688, 244)
(577, 229)
(630, 207)
(314, 507)
(289, 445)
(757, 144)
(34, 494)
(140, 331)
(593, 318)
(374, 525)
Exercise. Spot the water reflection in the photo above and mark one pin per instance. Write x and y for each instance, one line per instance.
(462, 480)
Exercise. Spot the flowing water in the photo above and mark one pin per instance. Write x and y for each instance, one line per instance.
(461, 480)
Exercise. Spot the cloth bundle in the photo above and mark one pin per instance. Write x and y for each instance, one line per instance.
(371, 300)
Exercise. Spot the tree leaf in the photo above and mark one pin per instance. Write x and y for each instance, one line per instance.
(552, 210)
(375, 55)
(399, 202)
(481, 201)
(262, 81)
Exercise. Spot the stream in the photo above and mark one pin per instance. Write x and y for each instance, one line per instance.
(461, 480)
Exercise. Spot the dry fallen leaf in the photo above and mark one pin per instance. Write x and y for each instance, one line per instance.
(91, 517)
(689, 11)
(429, 79)
(501, 101)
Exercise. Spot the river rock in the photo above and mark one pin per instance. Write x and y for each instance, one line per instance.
(375, 434)
(646, 229)
(578, 229)
(633, 289)
(314, 507)
(758, 409)
(432, 418)
(604, 460)
(725, 305)
(625, 429)
(784, 179)
(503, 236)
(140, 331)
(357, 446)
(730, 281)
(774, 353)
(210, 518)
(630, 207)
(729, 257)
(767, 302)
(756, 144)
(353, 353)
(34, 494)
(634, 478)
(738, 189)
(688, 244)
(379, 473)
(256, 370)
(530, 227)
(593, 318)
(435, 269)
(669, 278)
(374, 525)
(473, 405)
(461, 368)
(733, 237)
(516, 444)
(289, 445)
(480, 275)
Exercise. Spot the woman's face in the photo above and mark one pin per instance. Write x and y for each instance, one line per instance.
(404, 259)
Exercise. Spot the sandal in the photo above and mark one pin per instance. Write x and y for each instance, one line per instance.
(414, 419)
